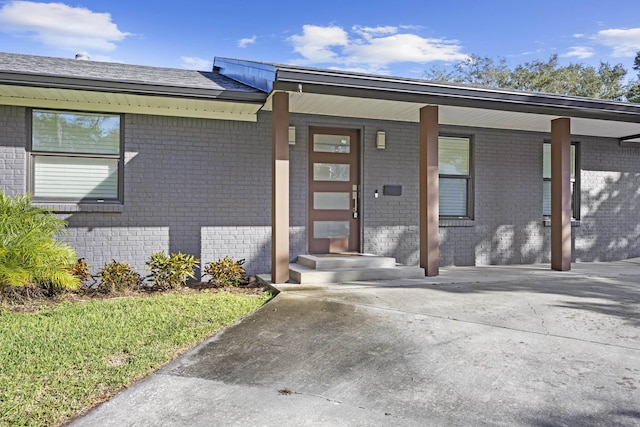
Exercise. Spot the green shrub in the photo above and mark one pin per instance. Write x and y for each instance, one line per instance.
(171, 271)
(29, 252)
(225, 272)
(117, 276)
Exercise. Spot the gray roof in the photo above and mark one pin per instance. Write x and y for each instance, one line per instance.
(109, 76)
(270, 76)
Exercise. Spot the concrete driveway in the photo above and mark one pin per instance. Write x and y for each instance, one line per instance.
(474, 346)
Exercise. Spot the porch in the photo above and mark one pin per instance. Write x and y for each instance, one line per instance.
(430, 106)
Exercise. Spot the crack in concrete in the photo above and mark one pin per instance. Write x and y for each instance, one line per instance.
(539, 317)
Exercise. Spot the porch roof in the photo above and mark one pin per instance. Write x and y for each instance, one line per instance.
(350, 94)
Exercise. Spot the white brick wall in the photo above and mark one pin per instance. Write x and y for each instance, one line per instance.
(204, 187)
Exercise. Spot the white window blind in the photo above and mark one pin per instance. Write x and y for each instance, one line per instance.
(75, 177)
(453, 197)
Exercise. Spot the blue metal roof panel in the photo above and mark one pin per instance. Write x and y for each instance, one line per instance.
(258, 75)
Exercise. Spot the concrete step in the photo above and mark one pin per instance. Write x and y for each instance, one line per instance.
(307, 276)
(331, 262)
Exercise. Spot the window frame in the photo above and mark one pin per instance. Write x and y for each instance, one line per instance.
(575, 197)
(33, 154)
(470, 208)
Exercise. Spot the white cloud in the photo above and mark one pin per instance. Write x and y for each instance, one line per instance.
(578, 35)
(246, 41)
(624, 42)
(61, 26)
(371, 48)
(194, 63)
(580, 52)
(315, 42)
(403, 48)
(369, 32)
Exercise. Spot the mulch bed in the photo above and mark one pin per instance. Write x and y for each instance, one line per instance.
(28, 300)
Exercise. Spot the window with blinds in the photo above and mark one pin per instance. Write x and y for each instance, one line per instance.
(455, 179)
(546, 181)
(75, 156)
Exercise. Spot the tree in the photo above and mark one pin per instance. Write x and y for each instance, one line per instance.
(474, 70)
(604, 82)
(633, 89)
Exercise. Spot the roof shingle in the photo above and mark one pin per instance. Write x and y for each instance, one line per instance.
(116, 72)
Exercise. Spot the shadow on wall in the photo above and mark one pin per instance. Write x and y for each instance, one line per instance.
(610, 225)
(513, 244)
(609, 228)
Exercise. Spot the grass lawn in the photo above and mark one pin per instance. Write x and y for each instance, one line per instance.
(61, 359)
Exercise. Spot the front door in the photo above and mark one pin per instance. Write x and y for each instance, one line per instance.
(334, 188)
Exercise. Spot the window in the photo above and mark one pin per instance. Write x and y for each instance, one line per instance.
(456, 185)
(546, 180)
(75, 156)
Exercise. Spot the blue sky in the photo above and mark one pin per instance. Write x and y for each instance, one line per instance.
(402, 38)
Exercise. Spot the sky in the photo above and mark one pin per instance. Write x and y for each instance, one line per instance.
(400, 37)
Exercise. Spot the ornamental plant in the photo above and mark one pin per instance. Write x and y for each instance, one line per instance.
(81, 270)
(225, 272)
(171, 271)
(118, 276)
(30, 254)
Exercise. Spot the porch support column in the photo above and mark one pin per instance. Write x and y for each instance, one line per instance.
(280, 188)
(429, 207)
(561, 194)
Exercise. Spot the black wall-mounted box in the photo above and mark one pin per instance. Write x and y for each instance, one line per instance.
(392, 190)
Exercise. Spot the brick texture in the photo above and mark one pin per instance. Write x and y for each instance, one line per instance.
(13, 137)
(204, 187)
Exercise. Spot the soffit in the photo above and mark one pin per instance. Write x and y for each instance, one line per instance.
(380, 109)
(109, 102)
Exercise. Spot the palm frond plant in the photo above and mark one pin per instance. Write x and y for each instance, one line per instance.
(30, 254)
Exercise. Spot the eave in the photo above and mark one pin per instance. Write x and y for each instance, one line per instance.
(40, 91)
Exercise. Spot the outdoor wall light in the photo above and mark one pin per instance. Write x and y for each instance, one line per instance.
(292, 135)
(380, 140)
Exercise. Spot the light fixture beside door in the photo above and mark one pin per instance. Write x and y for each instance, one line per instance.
(292, 135)
(381, 142)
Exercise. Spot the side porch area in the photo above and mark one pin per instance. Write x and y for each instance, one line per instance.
(432, 112)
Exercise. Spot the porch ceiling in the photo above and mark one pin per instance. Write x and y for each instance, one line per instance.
(113, 102)
(382, 109)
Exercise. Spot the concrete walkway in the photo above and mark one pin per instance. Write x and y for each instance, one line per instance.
(475, 346)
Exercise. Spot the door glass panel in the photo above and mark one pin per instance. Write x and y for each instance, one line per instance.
(331, 172)
(337, 201)
(330, 229)
(331, 143)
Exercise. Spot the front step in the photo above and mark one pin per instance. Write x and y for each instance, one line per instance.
(330, 262)
(312, 269)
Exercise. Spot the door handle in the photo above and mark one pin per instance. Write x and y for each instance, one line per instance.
(354, 196)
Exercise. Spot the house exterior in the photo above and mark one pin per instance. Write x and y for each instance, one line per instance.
(266, 162)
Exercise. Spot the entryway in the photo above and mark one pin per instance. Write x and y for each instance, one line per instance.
(334, 190)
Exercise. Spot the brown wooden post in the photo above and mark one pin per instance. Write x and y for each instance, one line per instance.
(561, 194)
(280, 189)
(429, 204)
